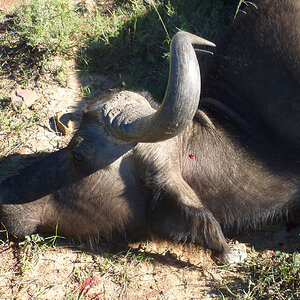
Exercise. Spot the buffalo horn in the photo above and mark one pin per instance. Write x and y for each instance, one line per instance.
(135, 121)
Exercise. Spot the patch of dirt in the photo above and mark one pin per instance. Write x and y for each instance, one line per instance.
(8, 5)
(160, 271)
(19, 138)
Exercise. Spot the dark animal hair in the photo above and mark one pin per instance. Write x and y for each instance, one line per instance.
(245, 136)
(257, 70)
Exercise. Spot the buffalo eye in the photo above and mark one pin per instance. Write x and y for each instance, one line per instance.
(78, 157)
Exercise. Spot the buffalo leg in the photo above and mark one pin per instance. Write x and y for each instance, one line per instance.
(177, 213)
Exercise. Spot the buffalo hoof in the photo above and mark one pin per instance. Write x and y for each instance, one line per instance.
(236, 254)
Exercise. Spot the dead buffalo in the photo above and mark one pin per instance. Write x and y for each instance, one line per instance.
(180, 171)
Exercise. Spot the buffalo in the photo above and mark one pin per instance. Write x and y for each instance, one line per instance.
(186, 170)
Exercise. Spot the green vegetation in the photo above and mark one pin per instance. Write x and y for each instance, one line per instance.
(31, 248)
(273, 276)
(13, 123)
(127, 41)
(121, 266)
(51, 25)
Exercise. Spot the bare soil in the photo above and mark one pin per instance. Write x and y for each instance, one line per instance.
(7, 5)
(174, 272)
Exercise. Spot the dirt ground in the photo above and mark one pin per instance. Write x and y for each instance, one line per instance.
(75, 270)
(64, 273)
(9, 4)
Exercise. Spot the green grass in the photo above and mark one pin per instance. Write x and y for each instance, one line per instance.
(273, 276)
(13, 123)
(137, 49)
(52, 25)
(120, 267)
(129, 43)
(31, 248)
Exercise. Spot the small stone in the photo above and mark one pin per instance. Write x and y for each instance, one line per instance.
(22, 98)
(16, 101)
(29, 97)
(238, 253)
(34, 106)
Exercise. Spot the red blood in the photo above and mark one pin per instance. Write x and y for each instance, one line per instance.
(191, 156)
(87, 284)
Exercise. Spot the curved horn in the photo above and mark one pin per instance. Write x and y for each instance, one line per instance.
(135, 122)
